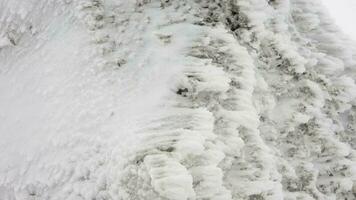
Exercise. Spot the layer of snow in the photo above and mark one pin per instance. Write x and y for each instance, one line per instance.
(181, 100)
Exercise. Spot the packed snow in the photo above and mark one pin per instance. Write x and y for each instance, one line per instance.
(175, 99)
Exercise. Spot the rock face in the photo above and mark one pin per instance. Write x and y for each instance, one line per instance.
(175, 99)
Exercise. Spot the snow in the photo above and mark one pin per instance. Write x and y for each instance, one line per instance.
(5, 42)
(181, 100)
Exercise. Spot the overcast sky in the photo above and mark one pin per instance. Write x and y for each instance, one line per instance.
(344, 12)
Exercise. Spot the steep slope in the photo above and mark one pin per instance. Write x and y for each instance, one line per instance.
(204, 99)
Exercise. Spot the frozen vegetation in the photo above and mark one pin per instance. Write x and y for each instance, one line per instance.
(175, 100)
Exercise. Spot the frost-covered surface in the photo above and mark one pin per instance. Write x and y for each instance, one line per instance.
(175, 99)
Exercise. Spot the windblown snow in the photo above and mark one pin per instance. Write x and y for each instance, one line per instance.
(175, 100)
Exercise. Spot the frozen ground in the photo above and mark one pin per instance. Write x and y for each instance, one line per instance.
(181, 100)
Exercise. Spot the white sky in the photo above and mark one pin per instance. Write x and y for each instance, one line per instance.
(344, 12)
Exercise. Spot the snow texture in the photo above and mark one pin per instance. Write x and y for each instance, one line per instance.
(175, 99)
